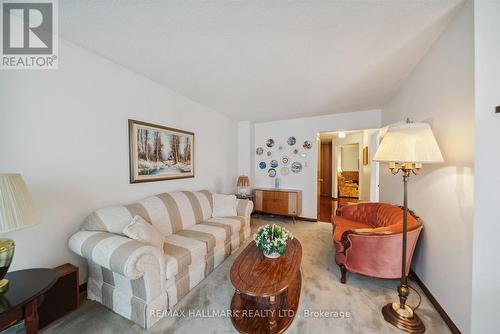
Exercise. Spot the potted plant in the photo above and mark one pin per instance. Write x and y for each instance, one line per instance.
(271, 240)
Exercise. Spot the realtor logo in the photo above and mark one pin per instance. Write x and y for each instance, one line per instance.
(29, 34)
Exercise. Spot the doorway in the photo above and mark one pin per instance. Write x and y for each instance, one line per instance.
(346, 172)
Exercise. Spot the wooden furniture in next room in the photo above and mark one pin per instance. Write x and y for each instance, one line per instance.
(25, 294)
(348, 183)
(63, 297)
(286, 202)
(270, 287)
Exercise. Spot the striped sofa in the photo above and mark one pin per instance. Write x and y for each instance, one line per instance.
(139, 281)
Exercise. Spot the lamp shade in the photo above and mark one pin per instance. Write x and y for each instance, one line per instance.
(16, 206)
(409, 142)
(243, 181)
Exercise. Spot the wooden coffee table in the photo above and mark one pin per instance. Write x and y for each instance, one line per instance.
(267, 290)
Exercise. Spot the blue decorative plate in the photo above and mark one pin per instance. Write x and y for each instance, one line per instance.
(262, 165)
(274, 163)
(271, 172)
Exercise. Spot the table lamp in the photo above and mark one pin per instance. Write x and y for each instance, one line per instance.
(16, 211)
(406, 147)
(243, 185)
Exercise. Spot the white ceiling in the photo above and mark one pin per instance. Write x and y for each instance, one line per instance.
(264, 60)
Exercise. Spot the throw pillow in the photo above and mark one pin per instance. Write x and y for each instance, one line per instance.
(224, 205)
(140, 230)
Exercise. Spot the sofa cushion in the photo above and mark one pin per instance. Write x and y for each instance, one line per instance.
(143, 231)
(180, 252)
(343, 224)
(213, 235)
(236, 223)
(224, 205)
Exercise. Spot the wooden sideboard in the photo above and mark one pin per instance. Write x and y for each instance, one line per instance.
(286, 202)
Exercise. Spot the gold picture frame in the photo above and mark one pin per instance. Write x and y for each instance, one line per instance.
(365, 155)
(159, 153)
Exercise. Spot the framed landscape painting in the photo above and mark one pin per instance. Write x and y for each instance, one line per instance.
(159, 153)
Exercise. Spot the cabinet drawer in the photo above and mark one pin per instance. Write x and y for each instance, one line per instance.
(282, 202)
(275, 202)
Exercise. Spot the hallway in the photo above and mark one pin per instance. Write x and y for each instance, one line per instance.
(328, 206)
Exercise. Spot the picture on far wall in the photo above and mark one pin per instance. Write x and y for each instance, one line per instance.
(159, 153)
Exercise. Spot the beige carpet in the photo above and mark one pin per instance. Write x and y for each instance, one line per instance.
(361, 297)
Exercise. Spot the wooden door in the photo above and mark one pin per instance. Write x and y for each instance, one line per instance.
(326, 169)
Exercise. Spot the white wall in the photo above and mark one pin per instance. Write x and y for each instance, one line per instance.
(370, 183)
(440, 91)
(66, 131)
(350, 157)
(245, 149)
(486, 271)
(304, 129)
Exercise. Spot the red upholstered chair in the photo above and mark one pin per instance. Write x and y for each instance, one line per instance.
(368, 239)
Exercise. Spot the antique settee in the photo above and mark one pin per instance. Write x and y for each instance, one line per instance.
(139, 281)
(368, 239)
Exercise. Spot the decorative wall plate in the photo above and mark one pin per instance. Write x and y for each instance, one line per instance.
(281, 148)
(273, 163)
(296, 167)
(303, 155)
(259, 150)
(262, 165)
(284, 160)
(269, 153)
(307, 145)
(270, 142)
(271, 172)
(291, 141)
(285, 171)
(295, 151)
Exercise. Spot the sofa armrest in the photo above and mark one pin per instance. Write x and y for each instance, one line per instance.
(244, 209)
(120, 254)
(373, 254)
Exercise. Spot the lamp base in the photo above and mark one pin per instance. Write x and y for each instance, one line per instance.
(4, 285)
(404, 319)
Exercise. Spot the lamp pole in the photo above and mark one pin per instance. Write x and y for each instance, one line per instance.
(403, 290)
(399, 314)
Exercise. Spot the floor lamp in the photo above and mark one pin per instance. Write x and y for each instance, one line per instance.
(406, 147)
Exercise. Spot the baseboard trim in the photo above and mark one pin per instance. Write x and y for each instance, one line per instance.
(451, 325)
(272, 214)
(307, 219)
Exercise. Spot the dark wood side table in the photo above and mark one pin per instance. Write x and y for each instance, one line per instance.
(248, 197)
(25, 294)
